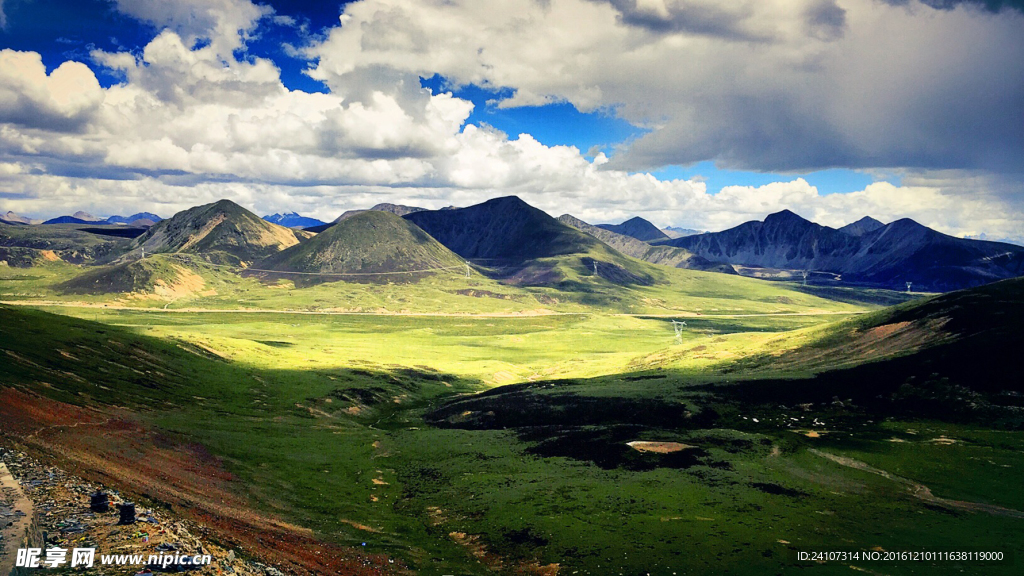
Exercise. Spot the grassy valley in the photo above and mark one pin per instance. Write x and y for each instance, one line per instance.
(533, 416)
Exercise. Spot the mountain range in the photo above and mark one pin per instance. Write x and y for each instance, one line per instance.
(630, 246)
(864, 252)
(520, 243)
(135, 219)
(141, 219)
(676, 232)
(13, 218)
(292, 220)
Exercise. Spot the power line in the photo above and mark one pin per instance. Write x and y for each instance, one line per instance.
(243, 269)
(678, 326)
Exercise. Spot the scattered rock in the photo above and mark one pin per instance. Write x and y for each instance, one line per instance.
(63, 504)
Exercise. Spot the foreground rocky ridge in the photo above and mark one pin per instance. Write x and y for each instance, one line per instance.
(60, 503)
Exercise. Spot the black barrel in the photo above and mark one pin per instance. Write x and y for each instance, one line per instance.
(127, 511)
(99, 502)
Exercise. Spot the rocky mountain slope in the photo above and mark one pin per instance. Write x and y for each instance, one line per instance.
(899, 252)
(223, 230)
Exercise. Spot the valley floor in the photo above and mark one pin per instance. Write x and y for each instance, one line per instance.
(451, 432)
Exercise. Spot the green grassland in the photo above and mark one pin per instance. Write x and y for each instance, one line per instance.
(502, 419)
(684, 292)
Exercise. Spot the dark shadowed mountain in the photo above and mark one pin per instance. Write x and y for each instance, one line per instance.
(862, 226)
(528, 246)
(502, 228)
(905, 251)
(637, 228)
(68, 220)
(153, 218)
(76, 218)
(222, 230)
(367, 243)
(902, 251)
(292, 220)
(663, 255)
(783, 240)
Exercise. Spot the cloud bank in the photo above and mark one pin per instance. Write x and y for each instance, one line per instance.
(931, 91)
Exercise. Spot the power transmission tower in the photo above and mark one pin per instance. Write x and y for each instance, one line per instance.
(143, 253)
(467, 270)
(805, 277)
(678, 325)
(908, 286)
(595, 267)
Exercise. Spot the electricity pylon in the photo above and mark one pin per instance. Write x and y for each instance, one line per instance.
(678, 325)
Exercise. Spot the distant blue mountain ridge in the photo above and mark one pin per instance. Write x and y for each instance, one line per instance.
(293, 220)
(133, 218)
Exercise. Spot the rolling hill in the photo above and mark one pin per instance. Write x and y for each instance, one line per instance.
(637, 228)
(630, 246)
(944, 357)
(223, 231)
(154, 275)
(889, 256)
(370, 242)
(23, 245)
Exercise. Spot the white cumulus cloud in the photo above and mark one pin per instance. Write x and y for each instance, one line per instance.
(773, 85)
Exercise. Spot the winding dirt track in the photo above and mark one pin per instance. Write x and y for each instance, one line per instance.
(920, 491)
(523, 314)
